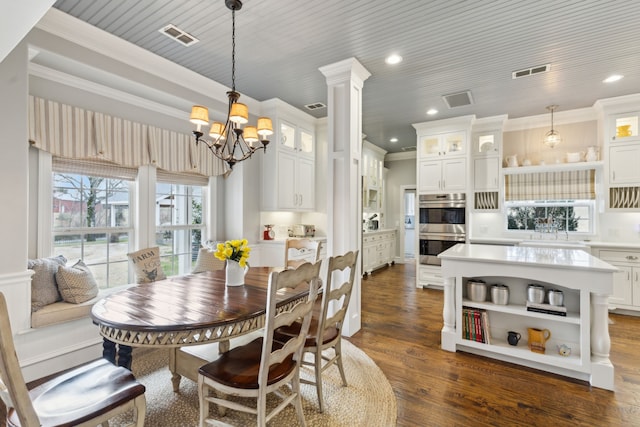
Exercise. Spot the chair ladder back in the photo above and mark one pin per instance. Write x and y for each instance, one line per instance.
(11, 372)
(308, 251)
(336, 294)
(291, 279)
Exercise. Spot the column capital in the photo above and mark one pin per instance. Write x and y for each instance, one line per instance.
(349, 69)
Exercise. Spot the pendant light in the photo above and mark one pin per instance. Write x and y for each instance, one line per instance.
(552, 138)
(230, 142)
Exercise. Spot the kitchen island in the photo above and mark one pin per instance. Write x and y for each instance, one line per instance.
(585, 281)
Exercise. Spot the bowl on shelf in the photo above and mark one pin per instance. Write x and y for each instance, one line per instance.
(477, 290)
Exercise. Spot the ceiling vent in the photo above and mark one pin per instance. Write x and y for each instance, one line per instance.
(315, 106)
(178, 35)
(459, 99)
(410, 148)
(531, 71)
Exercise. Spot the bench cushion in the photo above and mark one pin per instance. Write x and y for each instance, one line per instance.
(61, 311)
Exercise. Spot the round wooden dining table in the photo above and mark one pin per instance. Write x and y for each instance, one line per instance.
(185, 310)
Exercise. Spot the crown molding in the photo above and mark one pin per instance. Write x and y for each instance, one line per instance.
(83, 34)
(406, 155)
(544, 120)
(47, 73)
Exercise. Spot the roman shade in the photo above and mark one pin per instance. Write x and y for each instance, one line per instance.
(561, 185)
(75, 133)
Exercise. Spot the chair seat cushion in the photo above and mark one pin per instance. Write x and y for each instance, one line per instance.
(284, 333)
(82, 394)
(240, 366)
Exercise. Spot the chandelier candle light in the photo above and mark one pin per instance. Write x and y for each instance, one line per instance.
(230, 142)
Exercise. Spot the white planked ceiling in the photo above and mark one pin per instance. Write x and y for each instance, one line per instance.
(448, 46)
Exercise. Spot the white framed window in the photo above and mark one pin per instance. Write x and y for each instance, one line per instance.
(565, 216)
(180, 221)
(91, 218)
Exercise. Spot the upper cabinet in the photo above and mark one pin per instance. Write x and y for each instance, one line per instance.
(447, 144)
(372, 177)
(621, 133)
(288, 166)
(443, 149)
(486, 149)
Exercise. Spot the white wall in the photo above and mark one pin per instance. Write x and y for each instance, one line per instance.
(400, 172)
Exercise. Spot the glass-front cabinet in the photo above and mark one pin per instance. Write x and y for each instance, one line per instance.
(446, 144)
(624, 127)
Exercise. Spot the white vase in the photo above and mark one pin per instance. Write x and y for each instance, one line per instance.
(234, 273)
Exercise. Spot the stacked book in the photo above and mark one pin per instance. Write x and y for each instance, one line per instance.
(558, 310)
(475, 325)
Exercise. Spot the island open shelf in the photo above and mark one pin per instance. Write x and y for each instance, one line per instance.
(585, 281)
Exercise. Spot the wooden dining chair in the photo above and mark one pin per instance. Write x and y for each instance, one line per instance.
(85, 396)
(264, 365)
(299, 251)
(325, 330)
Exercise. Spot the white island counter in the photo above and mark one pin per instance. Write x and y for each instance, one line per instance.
(586, 282)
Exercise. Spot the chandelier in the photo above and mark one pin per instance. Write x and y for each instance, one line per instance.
(552, 138)
(229, 141)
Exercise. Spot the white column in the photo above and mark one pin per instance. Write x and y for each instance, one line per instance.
(448, 333)
(345, 80)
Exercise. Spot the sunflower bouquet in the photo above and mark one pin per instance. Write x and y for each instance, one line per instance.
(235, 250)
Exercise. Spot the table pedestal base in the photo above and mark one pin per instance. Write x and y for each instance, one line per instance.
(120, 356)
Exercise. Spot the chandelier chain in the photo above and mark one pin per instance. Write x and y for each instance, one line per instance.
(233, 50)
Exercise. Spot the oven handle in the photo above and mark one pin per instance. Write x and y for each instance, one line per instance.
(449, 237)
(434, 205)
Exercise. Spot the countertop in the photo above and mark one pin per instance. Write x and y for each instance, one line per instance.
(588, 243)
(281, 241)
(520, 255)
(380, 230)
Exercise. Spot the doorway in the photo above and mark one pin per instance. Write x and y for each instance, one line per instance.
(408, 214)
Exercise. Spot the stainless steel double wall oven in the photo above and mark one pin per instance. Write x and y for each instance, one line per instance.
(442, 224)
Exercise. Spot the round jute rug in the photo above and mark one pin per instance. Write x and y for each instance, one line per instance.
(367, 401)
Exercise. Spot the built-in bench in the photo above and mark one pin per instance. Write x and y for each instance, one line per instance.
(62, 311)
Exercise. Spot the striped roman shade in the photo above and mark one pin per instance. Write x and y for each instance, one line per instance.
(562, 185)
(75, 133)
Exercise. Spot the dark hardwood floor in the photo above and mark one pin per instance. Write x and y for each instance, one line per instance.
(401, 331)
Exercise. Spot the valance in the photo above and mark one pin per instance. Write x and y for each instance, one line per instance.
(76, 133)
(561, 185)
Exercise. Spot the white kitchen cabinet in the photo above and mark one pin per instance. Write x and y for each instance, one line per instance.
(623, 127)
(288, 165)
(372, 178)
(296, 178)
(623, 164)
(626, 282)
(446, 144)
(378, 249)
(486, 173)
(437, 176)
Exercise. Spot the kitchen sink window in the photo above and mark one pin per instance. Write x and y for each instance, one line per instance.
(551, 202)
(572, 216)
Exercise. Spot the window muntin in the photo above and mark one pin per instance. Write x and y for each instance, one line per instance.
(91, 221)
(179, 225)
(569, 216)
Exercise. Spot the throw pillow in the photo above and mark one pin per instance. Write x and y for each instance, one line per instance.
(44, 290)
(146, 264)
(207, 261)
(76, 283)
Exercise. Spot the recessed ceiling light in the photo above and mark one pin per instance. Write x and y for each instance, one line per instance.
(393, 59)
(613, 78)
(432, 111)
(394, 139)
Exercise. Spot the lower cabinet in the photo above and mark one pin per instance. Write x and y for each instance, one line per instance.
(626, 282)
(378, 249)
